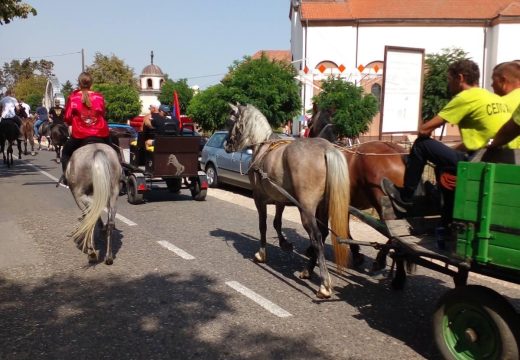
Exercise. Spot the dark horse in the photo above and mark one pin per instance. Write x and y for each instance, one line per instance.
(93, 174)
(9, 132)
(59, 136)
(44, 131)
(310, 173)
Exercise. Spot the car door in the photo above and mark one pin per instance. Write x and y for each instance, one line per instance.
(240, 162)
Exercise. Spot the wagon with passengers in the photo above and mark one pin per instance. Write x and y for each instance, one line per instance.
(470, 321)
(172, 163)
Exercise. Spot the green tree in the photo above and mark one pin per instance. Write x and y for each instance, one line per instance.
(122, 101)
(66, 89)
(352, 109)
(435, 87)
(184, 92)
(31, 90)
(16, 70)
(111, 70)
(268, 85)
(210, 108)
(10, 9)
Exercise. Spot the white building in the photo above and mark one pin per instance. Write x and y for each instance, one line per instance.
(346, 36)
(150, 83)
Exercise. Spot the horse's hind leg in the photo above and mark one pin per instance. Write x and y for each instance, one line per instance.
(310, 224)
(19, 146)
(261, 207)
(277, 224)
(109, 257)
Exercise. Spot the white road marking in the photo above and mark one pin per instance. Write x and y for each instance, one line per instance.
(260, 300)
(178, 251)
(118, 216)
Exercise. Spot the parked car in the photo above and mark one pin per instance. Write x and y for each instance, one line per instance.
(226, 168)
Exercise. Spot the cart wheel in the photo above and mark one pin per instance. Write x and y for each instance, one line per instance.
(211, 173)
(196, 193)
(134, 197)
(174, 185)
(475, 322)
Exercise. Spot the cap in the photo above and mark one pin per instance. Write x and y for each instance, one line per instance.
(155, 104)
(164, 108)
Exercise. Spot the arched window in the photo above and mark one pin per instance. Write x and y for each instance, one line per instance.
(161, 83)
(376, 91)
(149, 84)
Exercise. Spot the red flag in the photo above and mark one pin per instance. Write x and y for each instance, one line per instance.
(177, 108)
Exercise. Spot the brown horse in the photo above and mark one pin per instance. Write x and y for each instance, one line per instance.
(27, 131)
(309, 173)
(368, 163)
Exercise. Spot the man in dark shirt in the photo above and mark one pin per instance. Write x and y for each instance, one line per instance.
(153, 123)
(56, 112)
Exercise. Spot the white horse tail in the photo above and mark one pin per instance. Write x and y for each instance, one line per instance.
(101, 194)
(338, 188)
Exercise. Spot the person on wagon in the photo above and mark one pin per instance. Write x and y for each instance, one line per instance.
(85, 113)
(479, 115)
(153, 123)
(56, 112)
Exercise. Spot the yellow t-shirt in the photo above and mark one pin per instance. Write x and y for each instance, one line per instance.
(479, 115)
(516, 116)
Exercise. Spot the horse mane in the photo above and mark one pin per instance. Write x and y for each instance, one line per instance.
(256, 128)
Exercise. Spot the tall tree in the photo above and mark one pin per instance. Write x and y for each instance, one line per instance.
(111, 70)
(435, 87)
(352, 109)
(66, 89)
(10, 9)
(210, 108)
(267, 84)
(16, 70)
(184, 92)
(31, 90)
(122, 101)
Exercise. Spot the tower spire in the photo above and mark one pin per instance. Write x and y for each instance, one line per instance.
(151, 56)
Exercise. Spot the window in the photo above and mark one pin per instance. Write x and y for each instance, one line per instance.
(149, 84)
(376, 91)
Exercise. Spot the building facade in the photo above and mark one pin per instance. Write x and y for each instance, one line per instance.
(348, 37)
(150, 83)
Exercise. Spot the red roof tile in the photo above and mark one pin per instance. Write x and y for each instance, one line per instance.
(278, 55)
(407, 9)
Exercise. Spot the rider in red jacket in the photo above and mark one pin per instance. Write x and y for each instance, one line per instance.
(85, 112)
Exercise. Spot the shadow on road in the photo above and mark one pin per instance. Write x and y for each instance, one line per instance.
(153, 317)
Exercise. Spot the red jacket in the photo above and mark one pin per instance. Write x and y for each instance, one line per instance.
(86, 121)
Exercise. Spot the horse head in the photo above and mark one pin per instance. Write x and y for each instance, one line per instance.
(248, 127)
(322, 126)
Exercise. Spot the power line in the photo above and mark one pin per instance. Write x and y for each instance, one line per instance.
(42, 57)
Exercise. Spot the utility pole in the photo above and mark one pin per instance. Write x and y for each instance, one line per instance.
(82, 60)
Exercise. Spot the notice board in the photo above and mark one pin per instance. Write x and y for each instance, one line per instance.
(402, 90)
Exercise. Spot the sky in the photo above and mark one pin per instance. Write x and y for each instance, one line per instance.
(191, 39)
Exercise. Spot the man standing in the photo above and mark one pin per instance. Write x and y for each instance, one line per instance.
(479, 115)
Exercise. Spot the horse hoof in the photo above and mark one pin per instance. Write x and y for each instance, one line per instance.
(92, 258)
(358, 260)
(323, 293)
(305, 274)
(58, 161)
(109, 261)
(33, 153)
(259, 258)
(376, 266)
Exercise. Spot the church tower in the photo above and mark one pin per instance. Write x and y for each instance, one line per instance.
(150, 83)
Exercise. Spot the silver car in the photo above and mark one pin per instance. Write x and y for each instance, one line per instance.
(226, 168)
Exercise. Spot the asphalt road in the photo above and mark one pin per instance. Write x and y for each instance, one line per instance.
(183, 285)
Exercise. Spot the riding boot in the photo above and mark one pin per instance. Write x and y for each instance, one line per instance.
(64, 162)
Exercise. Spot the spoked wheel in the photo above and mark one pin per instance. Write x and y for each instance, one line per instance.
(197, 193)
(134, 197)
(475, 322)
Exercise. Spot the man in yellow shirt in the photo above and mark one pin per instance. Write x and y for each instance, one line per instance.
(479, 115)
(510, 130)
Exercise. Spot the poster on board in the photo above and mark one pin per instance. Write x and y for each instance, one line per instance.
(402, 90)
